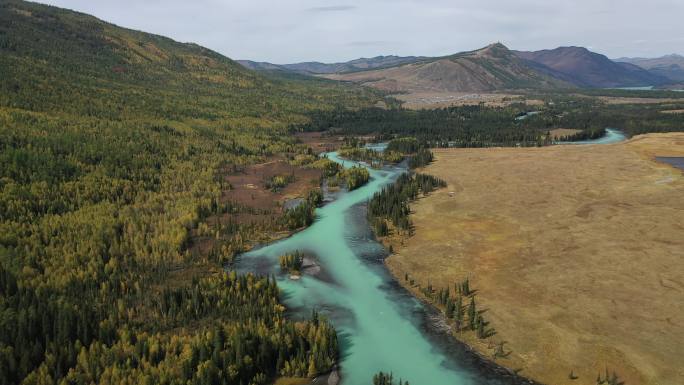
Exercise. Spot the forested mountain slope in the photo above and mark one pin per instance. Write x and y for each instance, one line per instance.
(112, 145)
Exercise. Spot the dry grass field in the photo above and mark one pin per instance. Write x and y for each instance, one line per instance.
(576, 252)
(435, 99)
(629, 100)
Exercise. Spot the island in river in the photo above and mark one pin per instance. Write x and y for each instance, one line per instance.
(576, 253)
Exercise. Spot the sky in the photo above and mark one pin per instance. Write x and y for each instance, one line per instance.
(287, 31)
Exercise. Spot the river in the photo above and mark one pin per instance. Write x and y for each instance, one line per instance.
(380, 325)
(611, 136)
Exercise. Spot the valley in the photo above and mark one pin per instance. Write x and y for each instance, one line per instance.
(169, 215)
(574, 252)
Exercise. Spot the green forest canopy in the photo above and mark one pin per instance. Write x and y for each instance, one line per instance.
(112, 147)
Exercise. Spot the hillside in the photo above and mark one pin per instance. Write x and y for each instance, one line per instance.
(492, 68)
(668, 66)
(589, 69)
(115, 151)
(77, 57)
(260, 65)
(331, 68)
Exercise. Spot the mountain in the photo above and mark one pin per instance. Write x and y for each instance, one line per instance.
(260, 65)
(668, 66)
(589, 69)
(115, 151)
(492, 68)
(331, 68)
(55, 59)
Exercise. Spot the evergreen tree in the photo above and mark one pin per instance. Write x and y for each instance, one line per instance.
(472, 314)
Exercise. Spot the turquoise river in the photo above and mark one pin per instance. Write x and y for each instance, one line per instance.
(380, 325)
(612, 135)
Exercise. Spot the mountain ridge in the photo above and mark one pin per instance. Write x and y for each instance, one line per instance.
(669, 66)
(562, 67)
(78, 56)
(590, 69)
(490, 68)
(316, 67)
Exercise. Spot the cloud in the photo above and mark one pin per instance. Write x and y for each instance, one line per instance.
(332, 8)
(369, 43)
(340, 30)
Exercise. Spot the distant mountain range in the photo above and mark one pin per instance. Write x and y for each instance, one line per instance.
(492, 68)
(669, 66)
(331, 68)
(584, 68)
(495, 67)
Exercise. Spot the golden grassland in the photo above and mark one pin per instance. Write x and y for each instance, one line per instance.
(576, 253)
(636, 100)
(417, 100)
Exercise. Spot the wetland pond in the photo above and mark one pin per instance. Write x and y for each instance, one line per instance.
(677, 161)
(381, 326)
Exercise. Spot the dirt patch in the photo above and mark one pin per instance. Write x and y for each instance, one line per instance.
(576, 252)
(255, 206)
(320, 141)
(249, 188)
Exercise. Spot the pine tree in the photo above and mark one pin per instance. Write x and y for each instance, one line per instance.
(472, 313)
(312, 371)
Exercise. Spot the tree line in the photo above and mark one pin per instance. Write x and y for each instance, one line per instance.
(392, 202)
(382, 378)
(459, 306)
(483, 126)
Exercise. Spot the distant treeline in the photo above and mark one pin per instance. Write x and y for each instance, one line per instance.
(481, 126)
(466, 126)
(588, 134)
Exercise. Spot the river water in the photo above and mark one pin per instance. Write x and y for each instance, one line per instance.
(674, 161)
(612, 136)
(380, 325)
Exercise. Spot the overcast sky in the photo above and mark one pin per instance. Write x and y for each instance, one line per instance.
(285, 31)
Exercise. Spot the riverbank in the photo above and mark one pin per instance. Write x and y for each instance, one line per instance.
(574, 252)
(381, 326)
